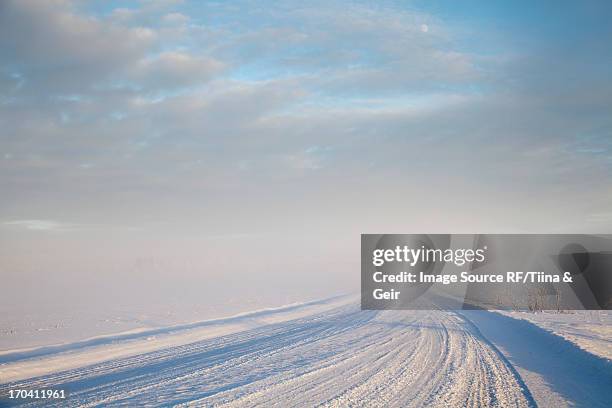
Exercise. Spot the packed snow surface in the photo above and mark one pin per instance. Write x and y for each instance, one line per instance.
(324, 353)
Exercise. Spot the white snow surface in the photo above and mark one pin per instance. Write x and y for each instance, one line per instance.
(590, 330)
(322, 353)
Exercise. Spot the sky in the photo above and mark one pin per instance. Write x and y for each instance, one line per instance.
(217, 152)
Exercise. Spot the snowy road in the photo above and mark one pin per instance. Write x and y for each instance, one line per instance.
(336, 357)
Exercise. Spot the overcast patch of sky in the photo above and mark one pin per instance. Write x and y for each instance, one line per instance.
(316, 59)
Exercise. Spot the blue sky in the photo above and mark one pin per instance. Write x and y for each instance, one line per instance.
(149, 127)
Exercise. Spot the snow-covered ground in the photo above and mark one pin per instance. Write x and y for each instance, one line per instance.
(326, 353)
(590, 330)
(23, 327)
(557, 372)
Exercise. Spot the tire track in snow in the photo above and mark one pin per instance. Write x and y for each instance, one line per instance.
(342, 357)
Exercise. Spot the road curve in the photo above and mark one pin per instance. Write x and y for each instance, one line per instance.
(340, 357)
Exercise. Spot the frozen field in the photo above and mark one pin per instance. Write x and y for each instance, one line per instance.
(326, 353)
(590, 330)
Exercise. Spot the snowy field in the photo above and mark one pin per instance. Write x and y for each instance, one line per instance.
(329, 353)
(590, 330)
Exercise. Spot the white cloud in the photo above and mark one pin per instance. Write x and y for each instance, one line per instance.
(38, 225)
(54, 47)
(175, 18)
(171, 69)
